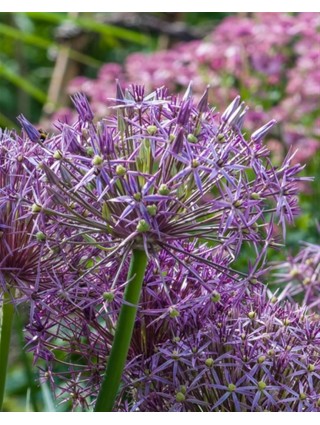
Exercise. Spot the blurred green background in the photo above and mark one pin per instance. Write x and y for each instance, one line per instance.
(32, 43)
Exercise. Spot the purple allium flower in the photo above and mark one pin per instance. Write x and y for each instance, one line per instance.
(28, 243)
(253, 356)
(21, 247)
(178, 180)
(193, 348)
(301, 276)
(163, 170)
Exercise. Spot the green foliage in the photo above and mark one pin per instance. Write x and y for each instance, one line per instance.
(29, 52)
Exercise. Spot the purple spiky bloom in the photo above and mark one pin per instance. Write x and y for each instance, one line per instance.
(21, 247)
(178, 180)
(193, 349)
(255, 356)
(29, 244)
(163, 170)
(300, 276)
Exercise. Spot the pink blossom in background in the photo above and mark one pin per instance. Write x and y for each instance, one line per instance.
(273, 58)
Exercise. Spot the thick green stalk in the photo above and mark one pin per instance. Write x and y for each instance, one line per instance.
(123, 334)
(6, 325)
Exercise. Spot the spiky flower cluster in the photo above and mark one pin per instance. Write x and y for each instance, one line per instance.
(226, 348)
(32, 254)
(300, 276)
(180, 181)
(164, 170)
(256, 355)
(22, 245)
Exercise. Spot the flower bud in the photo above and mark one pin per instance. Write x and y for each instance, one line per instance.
(183, 389)
(255, 196)
(215, 297)
(57, 155)
(137, 196)
(192, 138)
(152, 210)
(209, 362)
(108, 296)
(251, 314)
(97, 160)
(261, 385)
(231, 387)
(180, 397)
(40, 236)
(306, 281)
(286, 322)
(311, 367)
(143, 226)
(152, 129)
(163, 189)
(237, 203)
(173, 313)
(175, 355)
(90, 151)
(121, 170)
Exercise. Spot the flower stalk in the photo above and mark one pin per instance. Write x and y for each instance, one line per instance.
(123, 334)
(6, 325)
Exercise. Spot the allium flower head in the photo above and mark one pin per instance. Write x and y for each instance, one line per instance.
(26, 257)
(19, 248)
(174, 178)
(259, 355)
(300, 276)
(162, 170)
(193, 349)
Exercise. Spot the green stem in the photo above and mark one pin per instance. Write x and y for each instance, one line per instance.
(121, 343)
(6, 325)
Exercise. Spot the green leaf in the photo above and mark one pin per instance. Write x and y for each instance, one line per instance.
(6, 122)
(46, 44)
(22, 83)
(93, 25)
